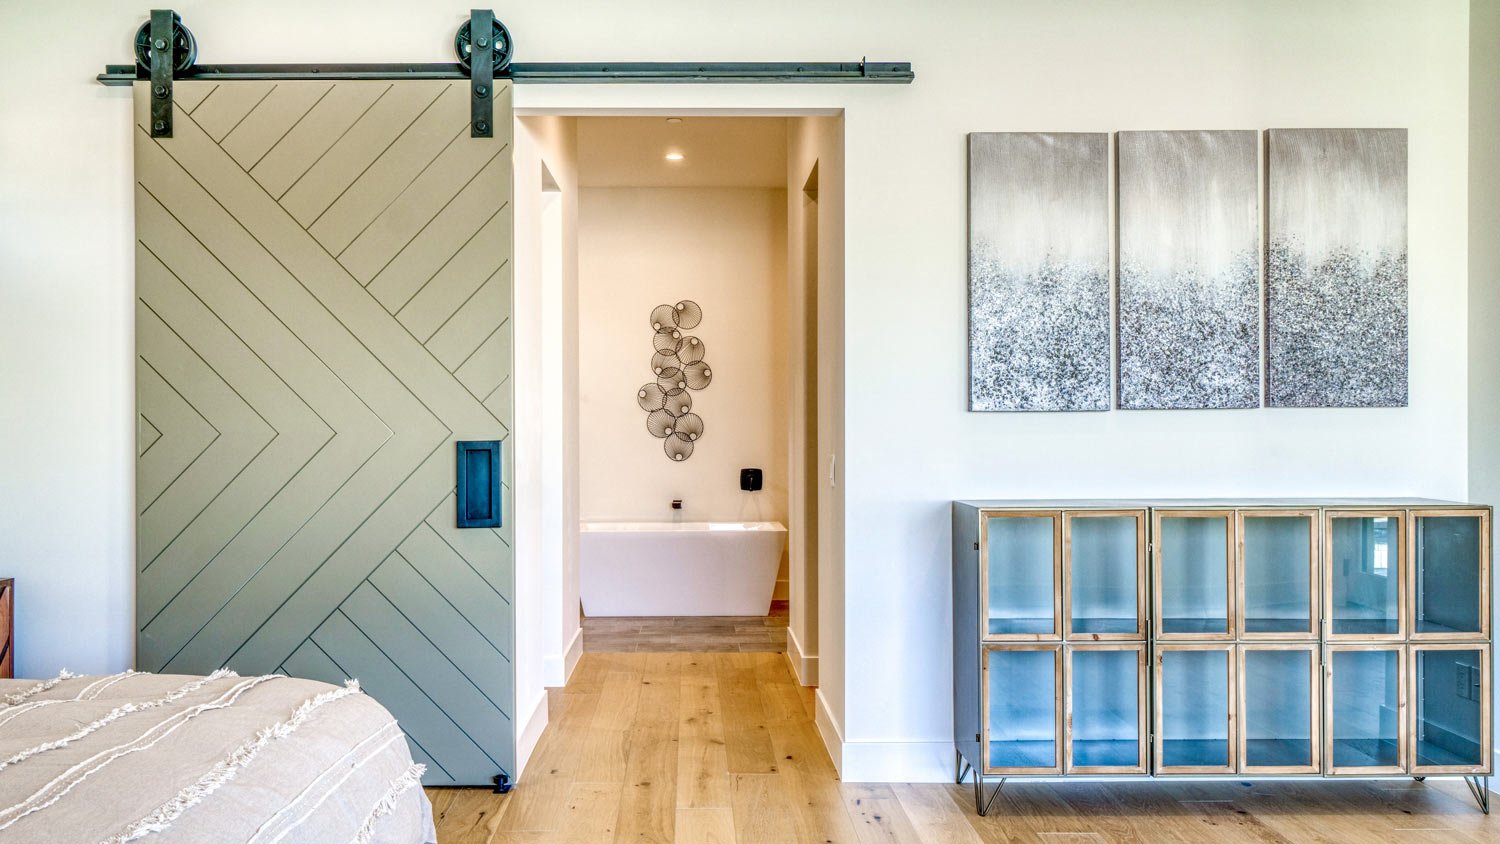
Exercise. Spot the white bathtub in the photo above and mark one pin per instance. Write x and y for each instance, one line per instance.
(686, 568)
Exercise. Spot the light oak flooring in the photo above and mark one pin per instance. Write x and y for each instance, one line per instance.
(696, 634)
(660, 747)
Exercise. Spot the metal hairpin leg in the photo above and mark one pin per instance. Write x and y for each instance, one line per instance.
(982, 805)
(1480, 788)
(962, 768)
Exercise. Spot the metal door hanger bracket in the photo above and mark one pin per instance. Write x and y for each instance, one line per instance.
(164, 50)
(161, 73)
(482, 74)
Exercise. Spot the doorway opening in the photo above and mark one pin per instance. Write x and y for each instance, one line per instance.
(687, 331)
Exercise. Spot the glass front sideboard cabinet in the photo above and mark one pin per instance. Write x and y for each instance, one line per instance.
(1284, 638)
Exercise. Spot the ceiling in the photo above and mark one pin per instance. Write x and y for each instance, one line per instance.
(739, 152)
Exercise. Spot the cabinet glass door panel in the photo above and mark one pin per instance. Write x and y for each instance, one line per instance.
(1194, 709)
(1106, 707)
(1450, 574)
(1022, 563)
(1364, 568)
(1279, 711)
(1278, 570)
(1023, 699)
(1366, 692)
(1193, 566)
(1450, 695)
(1104, 564)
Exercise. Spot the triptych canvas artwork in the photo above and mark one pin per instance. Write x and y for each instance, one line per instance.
(1039, 271)
(1190, 311)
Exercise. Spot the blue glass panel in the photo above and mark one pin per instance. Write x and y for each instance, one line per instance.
(1450, 712)
(1103, 566)
(1366, 712)
(1278, 708)
(1365, 575)
(1106, 725)
(1448, 574)
(1194, 574)
(1195, 708)
(1278, 574)
(1023, 708)
(1021, 574)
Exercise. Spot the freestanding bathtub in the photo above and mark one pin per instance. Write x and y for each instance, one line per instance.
(679, 568)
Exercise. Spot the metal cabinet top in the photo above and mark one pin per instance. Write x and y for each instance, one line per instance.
(1211, 503)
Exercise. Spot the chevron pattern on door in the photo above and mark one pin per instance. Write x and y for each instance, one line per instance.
(323, 283)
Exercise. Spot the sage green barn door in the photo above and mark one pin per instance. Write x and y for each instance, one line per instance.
(323, 282)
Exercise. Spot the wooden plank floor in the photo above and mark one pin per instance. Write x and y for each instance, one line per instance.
(692, 747)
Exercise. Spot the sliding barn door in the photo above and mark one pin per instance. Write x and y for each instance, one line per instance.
(323, 283)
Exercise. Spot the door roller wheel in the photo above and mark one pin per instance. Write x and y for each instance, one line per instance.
(184, 48)
(499, 41)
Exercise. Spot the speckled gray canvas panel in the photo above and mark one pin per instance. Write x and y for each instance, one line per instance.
(1038, 271)
(1189, 288)
(1336, 294)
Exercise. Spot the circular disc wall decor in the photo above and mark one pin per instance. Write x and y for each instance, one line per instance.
(651, 397)
(688, 314)
(677, 366)
(678, 448)
(667, 341)
(663, 316)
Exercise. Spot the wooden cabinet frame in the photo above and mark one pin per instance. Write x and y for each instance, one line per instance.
(1231, 695)
(1484, 516)
(1230, 546)
(1142, 707)
(1403, 717)
(1057, 709)
(984, 576)
(1141, 544)
(1315, 709)
(1401, 562)
(1314, 556)
(1486, 710)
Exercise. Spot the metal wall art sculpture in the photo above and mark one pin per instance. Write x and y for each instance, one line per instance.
(677, 361)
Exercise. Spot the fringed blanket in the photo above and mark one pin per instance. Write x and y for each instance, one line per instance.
(222, 758)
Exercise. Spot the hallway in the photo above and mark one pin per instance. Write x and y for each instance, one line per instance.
(690, 747)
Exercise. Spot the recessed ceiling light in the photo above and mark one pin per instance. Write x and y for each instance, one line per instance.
(675, 156)
(674, 120)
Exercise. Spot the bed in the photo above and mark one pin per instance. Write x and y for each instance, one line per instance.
(222, 758)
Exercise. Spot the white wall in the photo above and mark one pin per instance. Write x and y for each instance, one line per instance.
(1484, 253)
(816, 635)
(724, 248)
(548, 639)
(65, 277)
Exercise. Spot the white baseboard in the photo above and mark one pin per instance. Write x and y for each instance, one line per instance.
(571, 655)
(531, 732)
(557, 668)
(804, 667)
(897, 761)
(828, 730)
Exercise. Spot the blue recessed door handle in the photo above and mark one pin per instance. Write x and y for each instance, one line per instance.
(479, 483)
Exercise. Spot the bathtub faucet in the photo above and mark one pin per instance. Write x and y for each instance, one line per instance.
(677, 504)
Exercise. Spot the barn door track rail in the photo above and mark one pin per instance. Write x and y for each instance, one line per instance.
(165, 50)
